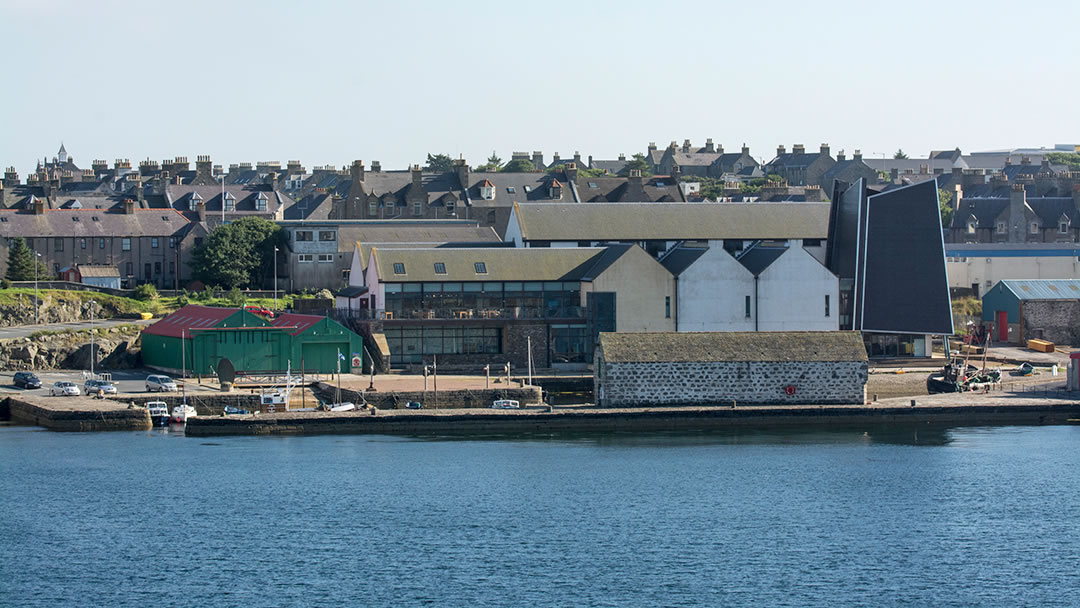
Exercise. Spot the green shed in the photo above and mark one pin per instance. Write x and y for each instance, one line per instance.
(199, 337)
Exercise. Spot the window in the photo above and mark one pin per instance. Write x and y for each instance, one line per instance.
(75, 218)
(82, 243)
(56, 268)
(303, 235)
(451, 208)
(125, 243)
(527, 188)
(510, 189)
(1063, 227)
(418, 207)
(481, 267)
(826, 305)
(373, 207)
(172, 242)
(971, 227)
(440, 268)
(326, 257)
(1001, 228)
(260, 203)
(58, 244)
(304, 258)
(95, 218)
(747, 307)
(153, 242)
(198, 241)
(593, 185)
(1034, 227)
(157, 267)
(230, 202)
(399, 268)
(172, 267)
(811, 242)
(667, 306)
(327, 235)
(101, 243)
(128, 269)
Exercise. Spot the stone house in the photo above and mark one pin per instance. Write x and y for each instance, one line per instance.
(1009, 215)
(1019, 310)
(849, 170)
(802, 168)
(707, 161)
(725, 368)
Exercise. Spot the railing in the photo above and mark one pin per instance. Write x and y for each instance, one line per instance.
(461, 313)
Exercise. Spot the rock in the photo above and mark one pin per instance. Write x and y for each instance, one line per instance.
(24, 353)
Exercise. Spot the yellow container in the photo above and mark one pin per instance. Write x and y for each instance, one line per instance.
(1042, 346)
(146, 316)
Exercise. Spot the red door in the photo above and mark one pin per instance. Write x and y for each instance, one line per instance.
(1003, 325)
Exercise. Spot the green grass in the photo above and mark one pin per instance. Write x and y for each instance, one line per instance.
(98, 331)
(967, 306)
(117, 305)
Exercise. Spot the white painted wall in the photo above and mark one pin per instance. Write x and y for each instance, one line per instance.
(791, 294)
(513, 229)
(356, 269)
(988, 271)
(711, 294)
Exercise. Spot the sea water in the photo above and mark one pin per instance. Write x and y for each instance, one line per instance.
(859, 516)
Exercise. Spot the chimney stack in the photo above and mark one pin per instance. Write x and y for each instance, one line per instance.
(376, 166)
(462, 171)
(555, 159)
(39, 206)
(894, 174)
(129, 206)
(200, 209)
(825, 150)
(780, 150)
(652, 146)
(577, 158)
(686, 146)
(417, 176)
(357, 171)
(11, 178)
(857, 156)
(136, 182)
(840, 157)
(746, 149)
(1025, 160)
(797, 149)
(538, 161)
(570, 169)
(709, 146)
(622, 156)
(204, 171)
(1017, 217)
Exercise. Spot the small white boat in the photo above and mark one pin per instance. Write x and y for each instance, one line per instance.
(343, 407)
(159, 412)
(505, 404)
(182, 412)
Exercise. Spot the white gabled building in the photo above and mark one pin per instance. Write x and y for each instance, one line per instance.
(765, 287)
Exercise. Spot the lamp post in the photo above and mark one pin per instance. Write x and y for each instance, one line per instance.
(37, 305)
(275, 279)
(92, 303)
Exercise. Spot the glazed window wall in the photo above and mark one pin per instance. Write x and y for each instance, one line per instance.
(486, 300)
(894, 345)
(415, 344)
(571, 344)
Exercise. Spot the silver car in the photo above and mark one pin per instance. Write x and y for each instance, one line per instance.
(93, 386)
(160, 384)
(64, 388)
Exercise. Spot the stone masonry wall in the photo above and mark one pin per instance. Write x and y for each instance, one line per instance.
(720, 383)
(1055, 320)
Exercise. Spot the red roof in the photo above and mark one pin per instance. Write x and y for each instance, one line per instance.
(180, 323)
(292, 319)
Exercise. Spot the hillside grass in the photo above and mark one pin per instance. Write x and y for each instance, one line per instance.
(118, 305)
(102, 332)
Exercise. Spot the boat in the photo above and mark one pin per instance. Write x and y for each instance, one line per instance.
(182, 412)
(343, 407)
(958, 378)
(234, 411)
(159, 412)
(505, 404)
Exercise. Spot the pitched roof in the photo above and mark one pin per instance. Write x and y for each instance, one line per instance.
(180, 323)
(97, 270)
(791, 160)
(680, 258)
(758, 258)
(627, 190)
(93, 223)
(299, 321)
(732, 346)
(1044, 289)
(672, 221)
(500, 264)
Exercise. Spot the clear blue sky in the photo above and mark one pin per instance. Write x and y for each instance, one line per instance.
(328, 82)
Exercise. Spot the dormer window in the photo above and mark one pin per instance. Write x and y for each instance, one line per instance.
(487, 190)
(1063, 227)
(230, 202)
(260, 202)
(451, 207)
(527, 188)
(971, 226)
(1001, 228)
(373, 207)
(1034, 227)
(555, 190)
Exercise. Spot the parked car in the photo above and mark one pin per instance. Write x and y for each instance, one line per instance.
(91, 387)
(160, 384)
(26, 380)
(63, 388)
(260, 310)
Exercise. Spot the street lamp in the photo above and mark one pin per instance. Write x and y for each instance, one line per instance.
(37, 305)
(275, 279)
(92, 303)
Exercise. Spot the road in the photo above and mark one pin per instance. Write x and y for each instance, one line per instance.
(22, 331)
(128, 381)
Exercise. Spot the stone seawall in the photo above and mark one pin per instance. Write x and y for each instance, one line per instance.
(75, 414)
(480, 422)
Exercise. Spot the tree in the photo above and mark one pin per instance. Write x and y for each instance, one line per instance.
(638, 163)
(494, 161)
(945, 206)
(900, 155)
(1069, 159)
(21, 263)
(439, 163)
(520, 165)
(239, 254)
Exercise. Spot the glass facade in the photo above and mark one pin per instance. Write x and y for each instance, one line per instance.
(486, 300)
(412, 344)
(895, 345)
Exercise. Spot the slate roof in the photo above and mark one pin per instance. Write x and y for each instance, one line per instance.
(97, 270)
(758, 258)
(180, 197)
(1048, 209)
(316, 207)
(611, 166)
(846, 168)
(672, 221)
(1044, 289)
(501, 264)
(762, 346)
(413, 234)
(526, 187)
(696, 159)
(80, 223)
(680, 258)
(624, 190)
(794, 161)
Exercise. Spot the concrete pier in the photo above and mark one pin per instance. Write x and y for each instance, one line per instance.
(76, 414)
(956, 408)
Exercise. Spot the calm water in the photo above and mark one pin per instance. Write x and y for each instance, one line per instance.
(860, 517)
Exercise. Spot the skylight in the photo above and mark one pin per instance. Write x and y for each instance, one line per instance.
(440, 268)
(510, 189)
(481, 268)
(399, 268)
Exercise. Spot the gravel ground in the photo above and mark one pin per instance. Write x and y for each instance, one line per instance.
(912, 383)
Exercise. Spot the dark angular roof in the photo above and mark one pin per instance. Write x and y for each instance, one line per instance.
(759, 257)
(794, 161)
(680, 258)
(758, 346)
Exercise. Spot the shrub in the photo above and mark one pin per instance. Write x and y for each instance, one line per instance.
(325, 294)
(182, 301)
(146, 292)
(235, 296)
(5, 284)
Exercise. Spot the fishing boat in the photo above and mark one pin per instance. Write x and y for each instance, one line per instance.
(343, 407)
(182, 412)
(159, 412)
(505, 404)
(234, 411)
(958, 376)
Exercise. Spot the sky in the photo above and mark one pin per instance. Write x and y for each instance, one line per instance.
(330, 82)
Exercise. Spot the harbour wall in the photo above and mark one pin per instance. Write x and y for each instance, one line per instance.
(457, 399)
(481, 422)
(72, 415)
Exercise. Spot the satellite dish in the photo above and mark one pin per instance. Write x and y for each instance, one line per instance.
(225, 371)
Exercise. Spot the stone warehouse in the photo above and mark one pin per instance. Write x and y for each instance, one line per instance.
(747, 368)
